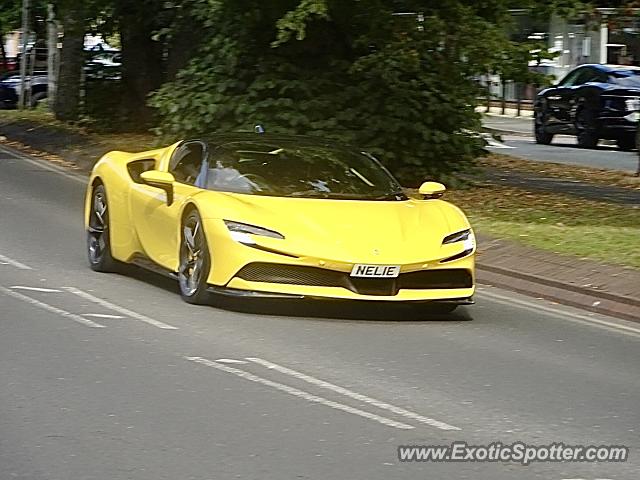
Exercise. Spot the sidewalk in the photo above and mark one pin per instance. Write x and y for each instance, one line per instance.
(597, 287)
(508, 124)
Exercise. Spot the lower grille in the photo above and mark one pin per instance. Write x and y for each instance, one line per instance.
(290, 274)
(437, 279)
(321, 277)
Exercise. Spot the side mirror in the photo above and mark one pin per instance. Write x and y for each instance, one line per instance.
(161, 180)
(430, 190)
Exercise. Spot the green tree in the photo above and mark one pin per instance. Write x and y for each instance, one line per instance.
(401, 85)
(74, 17)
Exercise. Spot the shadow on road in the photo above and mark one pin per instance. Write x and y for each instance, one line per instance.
(341, 310)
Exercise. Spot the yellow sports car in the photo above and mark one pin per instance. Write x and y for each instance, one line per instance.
(278, 216)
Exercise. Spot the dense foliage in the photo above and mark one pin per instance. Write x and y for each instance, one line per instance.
(397, 77)
(401, 85)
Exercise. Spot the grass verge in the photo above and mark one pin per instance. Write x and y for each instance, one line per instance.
(134, 142)
(554, 222)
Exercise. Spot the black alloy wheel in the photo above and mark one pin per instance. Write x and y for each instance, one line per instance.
(98, 240)
(195, 261)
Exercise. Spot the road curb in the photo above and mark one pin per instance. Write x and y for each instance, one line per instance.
(592, 300)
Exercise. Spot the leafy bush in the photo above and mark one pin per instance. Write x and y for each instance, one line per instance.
(400, 86)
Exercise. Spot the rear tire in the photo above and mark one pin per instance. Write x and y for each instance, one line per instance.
(98, 235)
(195, 261)
(37, 98)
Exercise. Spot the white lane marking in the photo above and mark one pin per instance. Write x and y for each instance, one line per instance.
(51, 308)
(301, 393)
(118, 308)
(14, 263)
(101, 315)
(231, 360)
(43, 164)
(620, 326)
(356, 396)
(35, 289)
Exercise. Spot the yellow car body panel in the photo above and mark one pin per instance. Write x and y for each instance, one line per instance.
(328, 234)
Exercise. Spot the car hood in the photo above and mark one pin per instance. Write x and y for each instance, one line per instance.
(395, 232)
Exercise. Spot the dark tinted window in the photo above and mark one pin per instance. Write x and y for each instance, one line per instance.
(571, 78)
(187, 163)
(287, 170)
(626, 78)
(584, 75)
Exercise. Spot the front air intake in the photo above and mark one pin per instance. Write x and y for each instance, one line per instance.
(437, 279)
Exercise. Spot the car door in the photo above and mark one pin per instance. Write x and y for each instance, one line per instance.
(157, 223)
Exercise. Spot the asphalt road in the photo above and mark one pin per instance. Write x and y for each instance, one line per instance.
(562, 150)
(113, 377)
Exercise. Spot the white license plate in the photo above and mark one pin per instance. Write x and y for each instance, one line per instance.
(375, 271)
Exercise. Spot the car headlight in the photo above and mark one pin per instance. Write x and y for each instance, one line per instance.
(632, 104)
(468, 240)
(465, 236)
(241, 232)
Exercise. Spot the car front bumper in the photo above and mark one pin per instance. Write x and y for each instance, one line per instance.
(262, 271)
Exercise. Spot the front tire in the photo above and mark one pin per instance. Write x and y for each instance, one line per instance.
(98, 239)
(586, 130)
(627, 143)
(539, 130)
(195, 261)
(442, 308)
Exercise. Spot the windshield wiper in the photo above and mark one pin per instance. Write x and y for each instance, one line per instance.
(309, 193)
(391, 196)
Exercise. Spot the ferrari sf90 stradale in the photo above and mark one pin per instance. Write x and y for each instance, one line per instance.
(278, 216)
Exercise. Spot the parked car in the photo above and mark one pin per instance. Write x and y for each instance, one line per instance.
(10, 89)
(592, 102)
(104, 65)
(101, 68)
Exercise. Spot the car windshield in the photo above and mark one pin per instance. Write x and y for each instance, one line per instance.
(10, 78)
(308, 171)
(626, 78)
